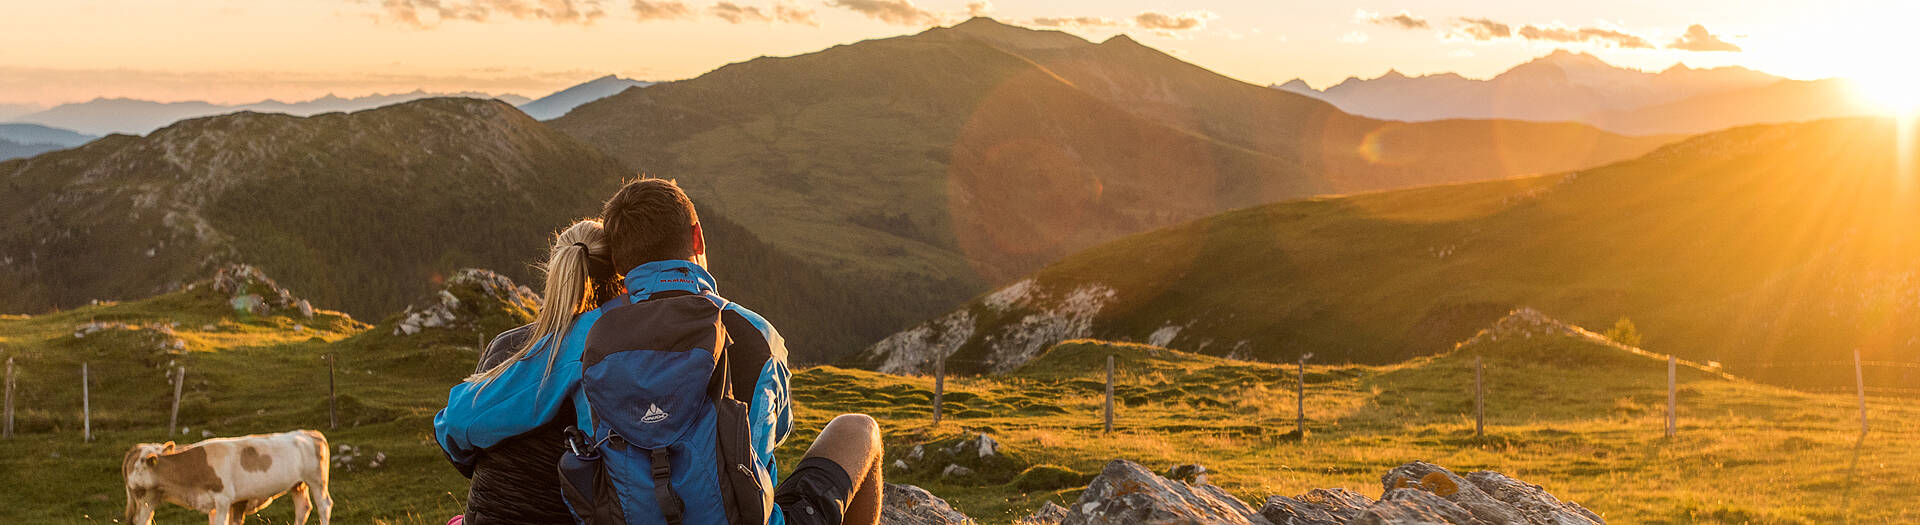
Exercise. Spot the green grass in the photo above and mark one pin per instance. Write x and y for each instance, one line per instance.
(1583, 420)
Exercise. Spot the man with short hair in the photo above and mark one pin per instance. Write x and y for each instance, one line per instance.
(658, 245)
(654, 235)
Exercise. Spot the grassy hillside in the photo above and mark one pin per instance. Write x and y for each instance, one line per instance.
(360, 211)
(934, 165)
(355, 210)
(1746, 453)
(1760, 245)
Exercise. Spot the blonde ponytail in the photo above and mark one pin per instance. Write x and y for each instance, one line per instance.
(578, 271)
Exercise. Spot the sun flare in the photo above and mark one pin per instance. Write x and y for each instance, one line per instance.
(1894, 92)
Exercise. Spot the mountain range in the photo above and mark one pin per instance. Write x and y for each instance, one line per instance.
(938, 164)
(1757, 247)
(1578, 87)
(26, 140)
(560, 102)
(102, 116)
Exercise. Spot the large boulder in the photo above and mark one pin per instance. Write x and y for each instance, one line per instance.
(1531, 501)
(1316, 507)
(1417, 507)
(1491, 497)
(910, 505)
(1126, 492)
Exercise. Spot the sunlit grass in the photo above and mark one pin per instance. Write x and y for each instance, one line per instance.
(1584, 423)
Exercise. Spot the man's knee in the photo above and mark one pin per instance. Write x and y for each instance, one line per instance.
(860, 424)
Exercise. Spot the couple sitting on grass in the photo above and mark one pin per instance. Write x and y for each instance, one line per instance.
(640, 396)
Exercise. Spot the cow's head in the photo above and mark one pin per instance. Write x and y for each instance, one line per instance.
(138, 466)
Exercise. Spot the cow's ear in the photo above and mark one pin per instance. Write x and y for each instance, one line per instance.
(167, 447)
(151, 459)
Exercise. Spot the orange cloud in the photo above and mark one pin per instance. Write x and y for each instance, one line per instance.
(1698, 39)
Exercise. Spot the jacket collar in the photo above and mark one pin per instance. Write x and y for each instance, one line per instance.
(667, 276)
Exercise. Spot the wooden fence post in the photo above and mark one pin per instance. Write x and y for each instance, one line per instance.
(86, 407)
(1300, 398)
(1673, 389)
(939, 386)
(333, 406)
(9, 427)
(1109, 421)
(173, 418)
(1479, 398)
(1860, 388)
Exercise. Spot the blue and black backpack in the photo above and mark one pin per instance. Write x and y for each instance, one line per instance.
(669, 442)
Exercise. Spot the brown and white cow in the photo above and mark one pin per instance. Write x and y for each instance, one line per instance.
(229, 478)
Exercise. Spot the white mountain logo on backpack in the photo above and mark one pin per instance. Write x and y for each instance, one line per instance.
(654, 414)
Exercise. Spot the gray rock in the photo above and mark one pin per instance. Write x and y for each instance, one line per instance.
(1316, 507)
(956, 471)
(1417, 507)
(1127, 493)
(900, 465)
(1453, 488)
(982, 445)
(306, 308)
(1533, 502)
(910, 505)
(1049, 513)
(919, 451)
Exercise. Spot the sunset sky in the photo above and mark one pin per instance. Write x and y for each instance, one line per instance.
(233, 51)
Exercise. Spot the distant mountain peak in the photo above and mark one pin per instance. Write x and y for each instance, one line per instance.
(1296, 86)
(1122, 39)
(1005, 35)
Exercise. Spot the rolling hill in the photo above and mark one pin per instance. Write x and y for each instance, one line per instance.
(26, 140)
(1752, 247)
(1560, 86)
(360, 211)
(940, 163)
(102, 116)
(356, 210)
(1783, 101)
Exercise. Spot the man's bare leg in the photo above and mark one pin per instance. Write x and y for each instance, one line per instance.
(852, 441)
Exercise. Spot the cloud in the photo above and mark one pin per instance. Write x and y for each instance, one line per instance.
(1483, 29)
(1074, 21)
(661, 10)
(1584, 34)
(738, 14)
(430, 13)
(979, 8)
(1167, 24)
(896, 12)
(1698, 39)
(1404, 20)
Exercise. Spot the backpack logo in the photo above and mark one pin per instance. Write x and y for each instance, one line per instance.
(654, 414)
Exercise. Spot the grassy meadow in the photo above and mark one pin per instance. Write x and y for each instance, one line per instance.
(1583, 420)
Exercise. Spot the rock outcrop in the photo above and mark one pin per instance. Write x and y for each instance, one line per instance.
(249, 290)
(1126, 492)
(910, 505)
(1417, 493)
(1316, 507)
(472, 299)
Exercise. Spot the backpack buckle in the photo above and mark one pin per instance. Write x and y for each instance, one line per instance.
(579, 443)
(661, 464)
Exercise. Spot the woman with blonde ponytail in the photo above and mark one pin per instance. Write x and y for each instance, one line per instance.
(512, 478)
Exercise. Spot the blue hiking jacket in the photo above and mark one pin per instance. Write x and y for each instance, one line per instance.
(524, 397)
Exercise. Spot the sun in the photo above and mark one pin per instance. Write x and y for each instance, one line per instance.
(1895, 92)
